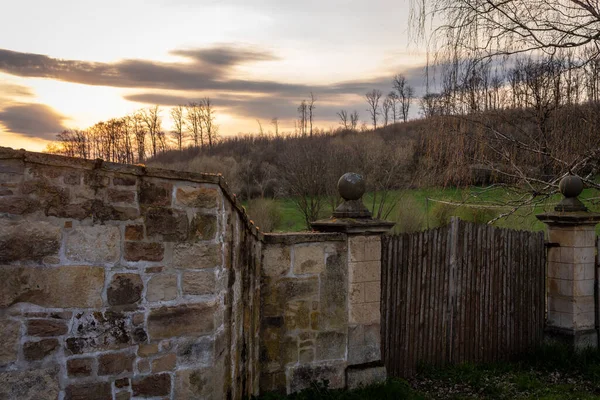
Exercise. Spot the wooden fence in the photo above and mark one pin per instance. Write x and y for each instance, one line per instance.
(464, 292)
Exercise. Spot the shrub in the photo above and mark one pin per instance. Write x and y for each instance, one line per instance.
(265, 213)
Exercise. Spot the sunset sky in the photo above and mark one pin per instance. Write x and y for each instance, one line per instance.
(72, 63)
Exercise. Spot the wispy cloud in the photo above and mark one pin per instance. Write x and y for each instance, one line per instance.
(31, 119)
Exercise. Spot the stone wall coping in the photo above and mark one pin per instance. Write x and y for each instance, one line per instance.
(569, 218)
(138, 170)
(302, 237)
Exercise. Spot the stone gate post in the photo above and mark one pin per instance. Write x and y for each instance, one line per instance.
(571, 268)
(364, 361)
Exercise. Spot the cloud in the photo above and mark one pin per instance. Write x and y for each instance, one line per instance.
(34, 120)
(208, 69)
(12, 90)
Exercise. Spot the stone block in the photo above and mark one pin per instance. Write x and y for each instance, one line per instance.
(331, 345)
(134, 232)
(583, 288)
(99, 331)
(120, 196)
(365, 313)
(560, 304)
(372, 248)
(40, 349)
(203, 227)
(183, 320)
(94, 244)
(360, 377)
(276, 260)
(196, 352)
(166, 224)
(9, 344)
(289, 350)
(164, 363)
(89, 391)
(122, 383)
(17, 205)
(364, 344)
(357, 293)
(198, 282)
(115, 363)
(152, 386)
(95, 179)
(154, 193)
(143, 366)
(197, 197)
(198, 383)
(297, 315)
(334, 293)
(142, 251)
(309, 259)
(306, 355)
(583, 255)
(46, 327)
(367, 271)
(56, 287)
(372, 291)
(162, 287)
(77, 367)
(197, 255)
(124, 289)
(123, 396)
(302, 376)
(146, 350)
(72, 178)
(584, 320)
(34, 384)
(24, 241)
(124, 180)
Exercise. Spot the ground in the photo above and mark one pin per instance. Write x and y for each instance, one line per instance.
(551, 372)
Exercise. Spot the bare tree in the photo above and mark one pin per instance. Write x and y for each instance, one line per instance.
(303, 117)
(275, 123)
(343, 116)
(178, 117)
(354, 120)
(393, 96)
(193, 121)
(151, 118)
(386, 106)
(501, 27)
(405, 95)
(373, 98)
(311, 109)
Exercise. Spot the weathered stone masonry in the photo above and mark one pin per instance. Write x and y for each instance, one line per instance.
(121, 282)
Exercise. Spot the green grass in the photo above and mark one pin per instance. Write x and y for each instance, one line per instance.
(393, 389)
(550, 372)
(423, 204)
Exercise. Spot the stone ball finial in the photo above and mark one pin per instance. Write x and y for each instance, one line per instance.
(351, 186)
(571, 186)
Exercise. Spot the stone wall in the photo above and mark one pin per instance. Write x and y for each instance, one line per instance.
(123, 281)
(120, 281)
(304, 311)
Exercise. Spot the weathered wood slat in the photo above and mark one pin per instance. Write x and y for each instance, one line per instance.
(460, 293)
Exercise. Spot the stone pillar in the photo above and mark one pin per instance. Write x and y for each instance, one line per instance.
(364, 362)
(571, 269)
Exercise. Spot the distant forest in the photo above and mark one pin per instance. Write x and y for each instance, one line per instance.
(518, 122)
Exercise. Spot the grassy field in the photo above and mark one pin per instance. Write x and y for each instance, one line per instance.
(419, 209)
(550, 373)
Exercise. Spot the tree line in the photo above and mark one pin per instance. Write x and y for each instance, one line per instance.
(140, 135)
